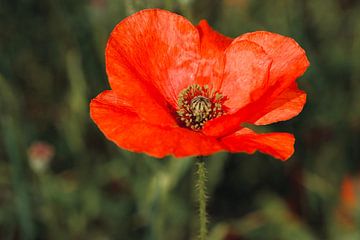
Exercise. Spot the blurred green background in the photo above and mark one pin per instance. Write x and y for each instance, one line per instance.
(61, 179)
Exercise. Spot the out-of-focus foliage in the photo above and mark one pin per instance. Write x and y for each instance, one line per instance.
(74, 184)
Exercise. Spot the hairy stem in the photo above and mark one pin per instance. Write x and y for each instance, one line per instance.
(201, 173)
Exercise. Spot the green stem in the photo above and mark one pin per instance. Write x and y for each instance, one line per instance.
(202, 197)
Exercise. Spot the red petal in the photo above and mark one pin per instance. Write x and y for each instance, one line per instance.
(278, 145)
(124, 127)
(245, 76)
(213, 45)
(156, 49)
(285, 106)
(289, 62)
(230, 123)
(149, 110)
(211, 38)
(289, 59)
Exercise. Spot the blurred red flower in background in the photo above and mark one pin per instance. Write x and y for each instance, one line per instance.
(350, 191)
(348, 209)
(183, 90)
(40, 155)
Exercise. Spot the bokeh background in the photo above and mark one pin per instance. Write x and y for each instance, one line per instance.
(61, 179)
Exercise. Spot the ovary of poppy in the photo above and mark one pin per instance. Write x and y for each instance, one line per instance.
(184, 90)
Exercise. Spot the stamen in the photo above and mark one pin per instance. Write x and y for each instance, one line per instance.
(197, 105)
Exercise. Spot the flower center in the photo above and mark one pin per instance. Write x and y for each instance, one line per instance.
(198, 104)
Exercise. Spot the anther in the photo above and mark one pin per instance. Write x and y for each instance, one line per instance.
(198, 104)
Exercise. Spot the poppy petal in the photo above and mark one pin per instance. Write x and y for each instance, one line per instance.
(278, 145)
(158, 50)
(212, 47)
(142, 97)
(289, 62)
(150, 111)
(226, 124)
(123, 126)
(246, 74)
(289, 59)
(211, 38)
(285, 106)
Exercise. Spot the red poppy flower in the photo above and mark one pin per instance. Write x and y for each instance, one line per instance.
(183, 90)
